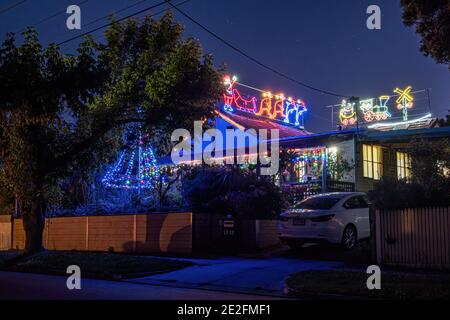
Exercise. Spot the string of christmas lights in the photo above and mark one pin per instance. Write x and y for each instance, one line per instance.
(135, 169)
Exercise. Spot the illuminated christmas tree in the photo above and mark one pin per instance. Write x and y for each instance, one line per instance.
(136, 168)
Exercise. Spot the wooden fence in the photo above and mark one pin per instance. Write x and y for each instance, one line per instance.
(5, 232)
(153, 233)
(413, 237)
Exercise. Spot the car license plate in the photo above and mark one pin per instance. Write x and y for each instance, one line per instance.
(298, 222)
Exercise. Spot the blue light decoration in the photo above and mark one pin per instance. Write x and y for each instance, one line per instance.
(137, 169)
(276, 107)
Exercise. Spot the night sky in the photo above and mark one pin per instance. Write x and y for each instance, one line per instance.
(323, 43)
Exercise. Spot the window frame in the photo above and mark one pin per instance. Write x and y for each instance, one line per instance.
(372, 161)
(403, 164)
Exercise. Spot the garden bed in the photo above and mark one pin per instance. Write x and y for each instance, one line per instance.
(98, 265)
(352, 284)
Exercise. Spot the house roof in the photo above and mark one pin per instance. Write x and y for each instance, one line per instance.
(405, 134)
(250, 122)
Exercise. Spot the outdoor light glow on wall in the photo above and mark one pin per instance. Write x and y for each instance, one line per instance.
(276, 107)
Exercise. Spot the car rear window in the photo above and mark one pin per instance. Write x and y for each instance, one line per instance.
(321, 203)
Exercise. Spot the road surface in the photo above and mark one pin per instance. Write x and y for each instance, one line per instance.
(20, 286)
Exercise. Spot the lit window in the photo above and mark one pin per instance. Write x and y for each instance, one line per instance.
(372, 162)
(403, 165)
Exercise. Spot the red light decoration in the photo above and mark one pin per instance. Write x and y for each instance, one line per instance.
(273, 107)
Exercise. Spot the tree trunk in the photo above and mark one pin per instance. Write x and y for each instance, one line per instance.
(33, 224)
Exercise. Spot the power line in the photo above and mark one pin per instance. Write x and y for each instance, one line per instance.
(152, 15)
(106, 16)
(51, 16)
(110, 23)
(2, 11)
(251, 58)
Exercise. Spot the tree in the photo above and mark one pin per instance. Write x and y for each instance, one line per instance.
(59, 112)
(430, 164)
(432, 22)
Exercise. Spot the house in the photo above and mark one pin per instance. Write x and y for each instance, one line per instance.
(370, 142)
(369, 153)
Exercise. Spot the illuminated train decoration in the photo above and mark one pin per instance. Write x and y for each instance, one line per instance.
(372, 111)
(276, 107)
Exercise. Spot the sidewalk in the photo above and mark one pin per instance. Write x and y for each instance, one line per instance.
(236, 274)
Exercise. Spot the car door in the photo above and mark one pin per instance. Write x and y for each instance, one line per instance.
(364, 216)
(357, 212)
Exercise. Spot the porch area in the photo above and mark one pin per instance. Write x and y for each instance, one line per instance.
(310, 171)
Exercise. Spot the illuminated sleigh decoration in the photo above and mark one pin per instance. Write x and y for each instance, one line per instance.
(233, 97)
(377, 112)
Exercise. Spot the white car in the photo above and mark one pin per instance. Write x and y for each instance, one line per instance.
(338, 217)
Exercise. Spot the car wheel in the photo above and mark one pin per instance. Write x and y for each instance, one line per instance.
(349, 237)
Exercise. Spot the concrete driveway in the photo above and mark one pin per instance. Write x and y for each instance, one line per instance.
(236, 274)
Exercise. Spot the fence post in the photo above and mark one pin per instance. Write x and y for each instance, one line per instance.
(87, 233)
(373, 234)
(47, 223)
(11, 242)
(378, 237)
(134, 232)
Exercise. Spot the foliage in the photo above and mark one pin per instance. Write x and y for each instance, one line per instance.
(429, 184)
(62, 113)
(432, 22)
(338, 167)
(430, 165)
(444, 122)
(231, 190)
(351, 284)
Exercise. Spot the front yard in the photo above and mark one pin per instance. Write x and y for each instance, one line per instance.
(98, 265)
(352, 284)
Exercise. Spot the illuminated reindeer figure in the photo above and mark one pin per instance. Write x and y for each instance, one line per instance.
(232, 96)
(295, 109)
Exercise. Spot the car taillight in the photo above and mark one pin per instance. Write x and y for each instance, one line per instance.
(327, 217)
(284, 219)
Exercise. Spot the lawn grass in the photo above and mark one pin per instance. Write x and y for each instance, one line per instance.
(6, 256)
(351, 284)
(92, 264)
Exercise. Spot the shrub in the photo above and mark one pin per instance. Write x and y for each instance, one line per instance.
(393, 194)
(232, 190)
